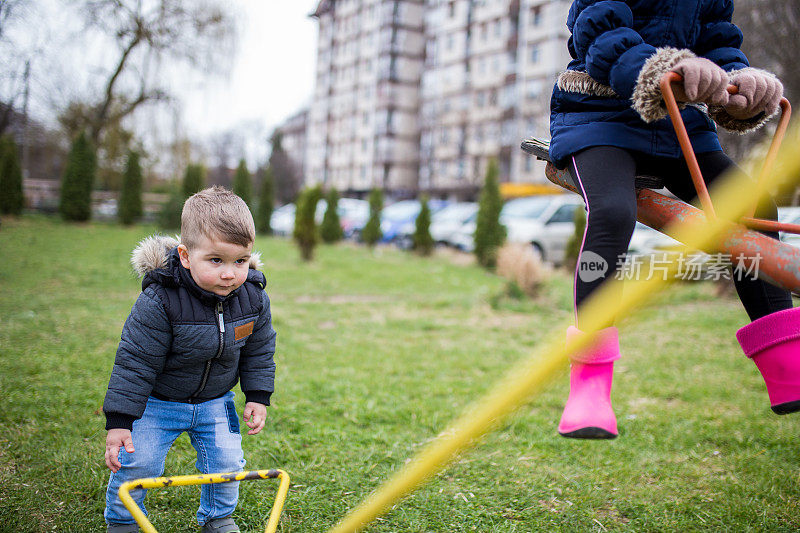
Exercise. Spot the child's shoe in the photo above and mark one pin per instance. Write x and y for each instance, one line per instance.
(588, 413)
(220, 525)
(773, 343)
(122, 528)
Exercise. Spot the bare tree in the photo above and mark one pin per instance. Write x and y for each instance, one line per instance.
(14, 62)
(199, 33)
(287, 177)
(9, 9)
(770, 30)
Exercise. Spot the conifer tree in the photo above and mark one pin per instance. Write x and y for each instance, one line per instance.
(331, 228)
(242, 183)
(489, 232)
(77, 182)
(130, 197)
(266, 203)
(423, 242)
(11, 197)
(371, 233)
(306, 233)
(169, 218)
(194, 180)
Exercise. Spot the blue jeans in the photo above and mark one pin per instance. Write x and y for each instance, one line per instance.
(213, 428)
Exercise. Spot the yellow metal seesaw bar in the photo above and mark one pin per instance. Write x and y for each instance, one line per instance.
(204, 479)
(732, 197)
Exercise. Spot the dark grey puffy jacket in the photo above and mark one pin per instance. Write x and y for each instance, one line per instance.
(183, 343)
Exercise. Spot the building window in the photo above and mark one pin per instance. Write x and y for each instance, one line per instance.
(534, 89)
(451, 9)
(498, 28)
(533, 53)
(536, 16)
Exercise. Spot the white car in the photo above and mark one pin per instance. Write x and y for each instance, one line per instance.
(789, 215)
(545, 222)
(447, 221)
(647, 241)
(351, 212)
(444, 224)
(282, 221)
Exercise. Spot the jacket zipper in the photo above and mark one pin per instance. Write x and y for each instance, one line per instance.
(221, 323)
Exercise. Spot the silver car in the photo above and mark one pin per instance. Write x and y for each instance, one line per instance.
(545, 222)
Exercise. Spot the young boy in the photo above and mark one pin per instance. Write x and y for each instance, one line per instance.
(201, 323)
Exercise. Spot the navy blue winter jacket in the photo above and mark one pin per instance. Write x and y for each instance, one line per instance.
(183, 343)
(609, 94)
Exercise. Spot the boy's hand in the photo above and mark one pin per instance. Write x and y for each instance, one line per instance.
(255, 416)
(114, 440)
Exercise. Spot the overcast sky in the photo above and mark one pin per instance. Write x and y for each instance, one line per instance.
(270, 78)
(273, 75)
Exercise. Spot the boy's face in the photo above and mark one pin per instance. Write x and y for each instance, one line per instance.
(217, 266)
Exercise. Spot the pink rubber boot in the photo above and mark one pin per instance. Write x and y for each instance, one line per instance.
(588, 413)
(773, 343)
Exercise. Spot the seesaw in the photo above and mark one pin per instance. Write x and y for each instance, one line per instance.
(770, 259)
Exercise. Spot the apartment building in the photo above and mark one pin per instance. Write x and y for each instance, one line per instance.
(418, 95)
(363, 129)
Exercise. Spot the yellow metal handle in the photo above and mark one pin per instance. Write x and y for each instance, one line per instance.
(205, 479)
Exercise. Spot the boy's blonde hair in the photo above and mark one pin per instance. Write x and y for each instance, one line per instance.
(216, 213)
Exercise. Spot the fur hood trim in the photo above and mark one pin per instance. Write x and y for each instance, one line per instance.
(576, 81)
(647, 98)
(153, 252)
(736, 125)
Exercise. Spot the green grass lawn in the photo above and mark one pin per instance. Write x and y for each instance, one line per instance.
(377, 352)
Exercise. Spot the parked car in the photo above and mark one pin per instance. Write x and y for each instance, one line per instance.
(397, 215)
(789, 215)
(443, 224)
(353, 214)
(282, 221)
(450, 219)
(545, 222)
(646, 241)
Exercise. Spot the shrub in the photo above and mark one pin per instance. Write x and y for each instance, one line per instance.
(130, 197)
(169, 218)
(77, 182)
(574, 243)
(371, 233)
(11, 198)
(489, 232)
(423, 242)
(242, 183)
(331, 228)
(521, 266)
(194, 180)
(266, 203)
(306, 234)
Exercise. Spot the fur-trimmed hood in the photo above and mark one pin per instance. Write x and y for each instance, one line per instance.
(153, 253)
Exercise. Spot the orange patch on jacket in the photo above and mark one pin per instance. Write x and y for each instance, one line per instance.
(240, 332)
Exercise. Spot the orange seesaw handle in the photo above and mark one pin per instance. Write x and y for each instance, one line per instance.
(688, 152)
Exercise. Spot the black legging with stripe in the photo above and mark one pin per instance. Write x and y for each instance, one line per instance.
(605, 177)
